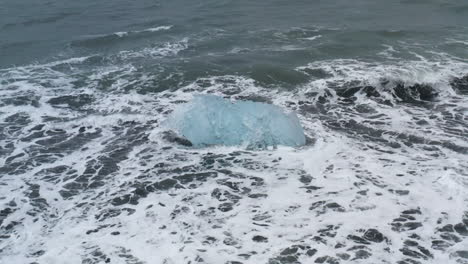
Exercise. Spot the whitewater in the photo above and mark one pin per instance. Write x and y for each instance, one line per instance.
(234, 132)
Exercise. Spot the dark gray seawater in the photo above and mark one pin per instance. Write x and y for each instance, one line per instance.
(87, 174)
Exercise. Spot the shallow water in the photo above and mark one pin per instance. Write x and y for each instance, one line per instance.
(86, 175)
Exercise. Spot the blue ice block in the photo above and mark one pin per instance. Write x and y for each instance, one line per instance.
(212, 120)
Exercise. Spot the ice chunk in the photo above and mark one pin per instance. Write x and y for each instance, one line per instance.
(212, 120)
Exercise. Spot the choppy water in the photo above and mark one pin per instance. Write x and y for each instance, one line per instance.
(86, 175)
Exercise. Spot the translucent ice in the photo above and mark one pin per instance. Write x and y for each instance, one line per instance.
(212, 120)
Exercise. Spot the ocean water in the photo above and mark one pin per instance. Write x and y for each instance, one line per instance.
(88, 176)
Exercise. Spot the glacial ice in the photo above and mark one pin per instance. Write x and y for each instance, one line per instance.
(212, 120)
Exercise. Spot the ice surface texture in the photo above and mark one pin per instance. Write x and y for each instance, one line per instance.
(212, 120)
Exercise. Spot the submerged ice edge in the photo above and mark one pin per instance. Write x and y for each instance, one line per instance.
(212, 120)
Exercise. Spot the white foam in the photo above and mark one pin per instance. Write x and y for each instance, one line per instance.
(314, 37)
(167, 49)
(339, 164)
(436, 73)
(153, 29)
(160, 28)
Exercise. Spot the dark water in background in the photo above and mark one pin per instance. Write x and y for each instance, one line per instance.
(270, 32)
(87, 177)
